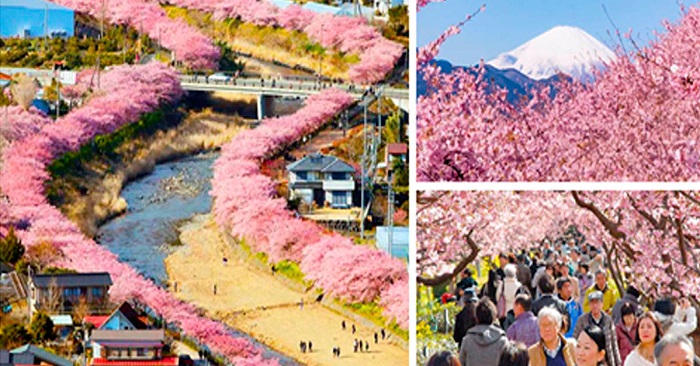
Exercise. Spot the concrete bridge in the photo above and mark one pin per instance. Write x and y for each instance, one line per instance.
(284, 87)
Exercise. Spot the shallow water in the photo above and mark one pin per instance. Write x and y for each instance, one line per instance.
(158, 203)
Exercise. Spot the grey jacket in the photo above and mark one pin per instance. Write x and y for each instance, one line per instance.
(482, 346)
(612, 350)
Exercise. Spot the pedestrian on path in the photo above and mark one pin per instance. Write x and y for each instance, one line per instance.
(383, 334)
(353, 329)
(366, 346)
(376, 338)
(311, 347)
(214, 289)
(354, 345)
(343, 324)
(361, 346)
(301, 304)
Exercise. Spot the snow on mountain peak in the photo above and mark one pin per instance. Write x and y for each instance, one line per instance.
(564, 49)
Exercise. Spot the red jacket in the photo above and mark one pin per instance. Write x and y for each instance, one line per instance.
(625, 340)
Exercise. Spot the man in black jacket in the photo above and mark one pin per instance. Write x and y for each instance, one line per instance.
(546, 285)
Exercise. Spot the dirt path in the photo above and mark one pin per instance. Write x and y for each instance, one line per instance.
(256, 303)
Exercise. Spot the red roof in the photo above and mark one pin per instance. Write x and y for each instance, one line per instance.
(96, 320)
(397, 149)
(165, 361)
(5, 77)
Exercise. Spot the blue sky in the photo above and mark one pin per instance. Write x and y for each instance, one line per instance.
(507, 24)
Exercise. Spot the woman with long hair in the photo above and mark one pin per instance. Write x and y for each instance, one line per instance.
(590, 348)
(649, 332)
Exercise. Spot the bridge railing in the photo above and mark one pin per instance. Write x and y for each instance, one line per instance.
(283, 84)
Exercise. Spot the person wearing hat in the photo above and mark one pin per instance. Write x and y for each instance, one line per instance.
(597, 317)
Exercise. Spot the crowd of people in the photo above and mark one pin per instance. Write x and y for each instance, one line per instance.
(556, 306)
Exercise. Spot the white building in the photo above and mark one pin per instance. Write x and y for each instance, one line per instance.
(323, 179)
(382, 6)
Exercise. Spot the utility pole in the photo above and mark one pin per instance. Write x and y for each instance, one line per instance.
(362, 175)
(46, 28)
(390, 212)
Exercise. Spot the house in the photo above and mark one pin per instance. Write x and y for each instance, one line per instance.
(129, 348)
(382, 6)
(323, 179)
(62, 292)
(32, 355)
(26, 19)
(122, 318)
(394, 152)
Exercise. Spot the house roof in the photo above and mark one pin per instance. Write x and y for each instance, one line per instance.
(129, 313)
(165, 361)
(397, 149)
(320, 163)
(96, 320)
(73, 280)
(39, 353)
(5, 77)
(32, 4)
(150, 335)
(62, 320)
(338, 166)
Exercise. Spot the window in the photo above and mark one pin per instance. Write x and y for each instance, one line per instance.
(140, 352)
(71, 292)
(339, 176)
(301, 175)
(339, 199)
(97, 292)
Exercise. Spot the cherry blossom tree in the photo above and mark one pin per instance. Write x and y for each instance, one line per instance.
(188, 44)
(346, 34)
(246, 207)
(644, 235)
(127, 92)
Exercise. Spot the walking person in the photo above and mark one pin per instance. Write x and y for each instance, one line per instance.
(376, 338)
(354, 345)
(626, 331)
(353, 329)
(484, 342)
(648, 334)
(214, 289)
(553, 348)
(603, 321)
(311, 347)
(525, 328)
(590, 347)
(343, 324)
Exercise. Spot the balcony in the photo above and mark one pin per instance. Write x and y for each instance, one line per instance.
(338, 185)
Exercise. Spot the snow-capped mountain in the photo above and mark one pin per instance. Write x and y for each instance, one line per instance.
(562, 49)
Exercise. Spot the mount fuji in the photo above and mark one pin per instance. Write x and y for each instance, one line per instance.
(562, 49)
(561, 52)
